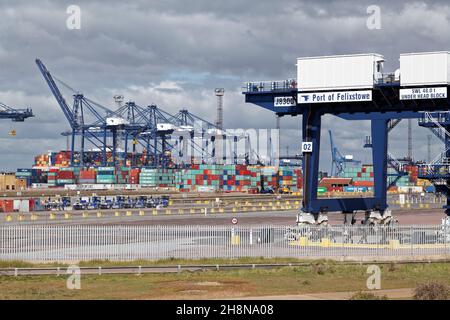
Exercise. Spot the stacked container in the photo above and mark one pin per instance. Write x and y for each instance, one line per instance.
(87, 176)
(25, 174)
(122, 175)
(363, 173)
(157, 177)
(269, 178)
(106, 175)
(134, 176)
(51, 177)
(66, 175)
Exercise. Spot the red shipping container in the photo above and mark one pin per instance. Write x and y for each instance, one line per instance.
(363, 183)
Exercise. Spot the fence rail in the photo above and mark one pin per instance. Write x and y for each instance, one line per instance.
(126, 243)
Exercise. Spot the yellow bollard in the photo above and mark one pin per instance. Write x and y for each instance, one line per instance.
(66, 215)
(394, 244)
(155, 212)
(8, 218)
(206, 202)
(21, 217)
(234, 209)
(221, 210)
(85, 215)
(427, 205)
(198, 202)
(141, 213)
(325, 242)
(128, 213)
(99, 214)
(34, 217)
(191, 210)
(170, 202)
(296, 203)
(263, 208)
(117, 214)
(212, 210)
(168, 211)
(52, 216)
(253, 208)
(303, 241)
(244, 209)
(235, 240)
(180, 211)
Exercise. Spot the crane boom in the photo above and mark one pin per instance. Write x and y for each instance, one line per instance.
(59, 97)
(16, 115)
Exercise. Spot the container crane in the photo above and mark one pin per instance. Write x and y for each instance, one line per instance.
(338, 161)
(16, 115)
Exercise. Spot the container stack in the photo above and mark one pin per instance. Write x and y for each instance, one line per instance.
(363, 173)
(157, 177)
(87, 176)
(66, 175)
(106, 175)
(134, 176)
(201, 178)
(24, 174)
(269, 178)
(240, 178)
(61, 159)
(51, 177)
(123, 175)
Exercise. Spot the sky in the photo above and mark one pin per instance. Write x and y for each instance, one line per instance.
(174, 54)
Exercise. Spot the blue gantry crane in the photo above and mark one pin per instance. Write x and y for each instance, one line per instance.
(96, 124)
(438, 170)
(148, 127)
(16, 115)
(338, 161)
(379, 102)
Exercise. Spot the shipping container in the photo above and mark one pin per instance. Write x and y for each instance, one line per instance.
(425, 68)
(358, 71)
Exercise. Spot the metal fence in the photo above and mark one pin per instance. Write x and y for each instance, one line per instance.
(75, 243)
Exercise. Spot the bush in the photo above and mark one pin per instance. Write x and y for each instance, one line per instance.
(431, 291)
(322, 268)
(367, 296)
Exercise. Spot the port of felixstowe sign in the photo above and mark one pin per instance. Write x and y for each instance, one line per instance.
(334, 96)
(423, 93)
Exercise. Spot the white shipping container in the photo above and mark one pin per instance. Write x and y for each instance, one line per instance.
(16, 205)
(424, 68)
(358, 71)
(24, 206)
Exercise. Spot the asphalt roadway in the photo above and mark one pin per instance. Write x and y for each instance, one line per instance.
(285, 217)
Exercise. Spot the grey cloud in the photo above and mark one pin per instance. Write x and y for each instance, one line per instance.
(199, 46)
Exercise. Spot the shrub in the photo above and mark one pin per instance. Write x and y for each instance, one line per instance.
(431, 291)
